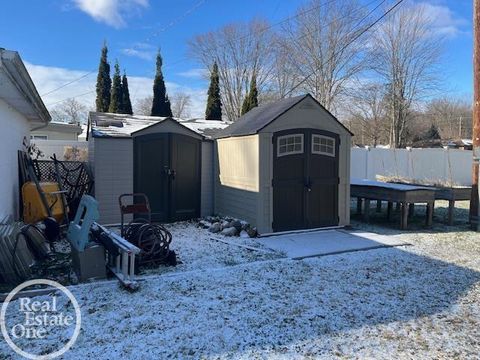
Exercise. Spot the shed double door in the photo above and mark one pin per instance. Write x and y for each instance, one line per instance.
(167, 170)
(305, 179)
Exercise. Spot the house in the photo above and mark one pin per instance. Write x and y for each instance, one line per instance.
(21, 111)
(170, 160)
(57, 131)
(285, 166)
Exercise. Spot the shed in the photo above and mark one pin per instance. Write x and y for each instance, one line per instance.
(285, 166)
(170, 160)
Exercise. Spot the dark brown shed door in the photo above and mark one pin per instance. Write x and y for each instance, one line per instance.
(167, 170)
(305, 179)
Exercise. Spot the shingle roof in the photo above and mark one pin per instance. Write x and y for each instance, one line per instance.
(259, 117)
(123, 125)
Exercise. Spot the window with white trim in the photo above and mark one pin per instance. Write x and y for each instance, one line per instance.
(290, 144)
(323, 145)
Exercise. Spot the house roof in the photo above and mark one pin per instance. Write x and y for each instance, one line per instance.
(63, 127)
(18, 90)
(123, 126)
(261, 116)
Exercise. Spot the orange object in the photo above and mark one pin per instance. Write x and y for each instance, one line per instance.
(33, 208)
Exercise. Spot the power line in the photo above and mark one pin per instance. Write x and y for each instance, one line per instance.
(355, 38)
(71, 97)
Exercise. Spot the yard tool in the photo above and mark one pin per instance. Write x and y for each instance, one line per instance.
(153, 239)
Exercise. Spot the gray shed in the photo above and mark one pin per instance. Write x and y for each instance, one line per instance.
(285, 166)
(171, 160)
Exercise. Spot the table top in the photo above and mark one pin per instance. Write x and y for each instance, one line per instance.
(391, 186)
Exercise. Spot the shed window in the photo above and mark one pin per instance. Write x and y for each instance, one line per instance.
(290, 144)
(323, 145)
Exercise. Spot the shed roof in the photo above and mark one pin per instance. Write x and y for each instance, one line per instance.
(259, 117)
(123, 125)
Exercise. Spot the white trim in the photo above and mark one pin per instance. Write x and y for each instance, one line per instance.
(38, 137)
(319, 152)
(302, 145)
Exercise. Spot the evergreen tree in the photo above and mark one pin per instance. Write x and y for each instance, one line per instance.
(251, 98)
(116, 93)
(104, 82)
(161, 103)
(214, 104)
(126, 103)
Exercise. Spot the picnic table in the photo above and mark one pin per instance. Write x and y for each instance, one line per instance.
(406, 196)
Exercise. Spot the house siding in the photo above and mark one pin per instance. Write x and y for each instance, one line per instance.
(15, 127)
(113, 171)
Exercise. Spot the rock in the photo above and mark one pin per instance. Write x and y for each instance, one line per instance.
(244, 234)
(204, 224)
(252, 232)
(245, 225)
(236, 224)
(215, 228)
(225, 224)
(229, 231)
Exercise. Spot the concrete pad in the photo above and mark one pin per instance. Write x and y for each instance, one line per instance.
(327, 242)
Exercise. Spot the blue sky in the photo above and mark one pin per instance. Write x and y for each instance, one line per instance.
(61, 40)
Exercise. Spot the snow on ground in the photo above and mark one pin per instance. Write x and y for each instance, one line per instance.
(420, 301)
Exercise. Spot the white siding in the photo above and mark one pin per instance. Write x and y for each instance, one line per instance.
(113, 175)
(15, 128)
(206, 206)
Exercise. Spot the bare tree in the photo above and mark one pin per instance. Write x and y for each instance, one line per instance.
(368, 114)
(452, 116)
(70, 111)
(143, 106)
(319, 49)
(241, 51)
(405, 54)
(181, 103)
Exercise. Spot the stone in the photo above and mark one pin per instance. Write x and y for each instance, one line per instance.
(229, 231)
(236, 224)
(244, 234)
(215, 228)
(204, 224)
(252, 232)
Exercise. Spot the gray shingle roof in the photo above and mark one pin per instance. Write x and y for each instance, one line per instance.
(259, 117)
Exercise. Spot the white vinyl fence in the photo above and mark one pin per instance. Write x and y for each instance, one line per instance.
(434, 165)
(64, 149)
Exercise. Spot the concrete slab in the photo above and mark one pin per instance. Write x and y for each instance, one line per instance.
(327, 242)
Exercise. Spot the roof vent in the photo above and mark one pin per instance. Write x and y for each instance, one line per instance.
(107, 123)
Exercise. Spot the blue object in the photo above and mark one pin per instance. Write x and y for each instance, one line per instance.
(79, 229)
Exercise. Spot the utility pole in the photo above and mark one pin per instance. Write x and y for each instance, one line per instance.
(474, 203)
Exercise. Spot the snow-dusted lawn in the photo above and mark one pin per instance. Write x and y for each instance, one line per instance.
(420, 301)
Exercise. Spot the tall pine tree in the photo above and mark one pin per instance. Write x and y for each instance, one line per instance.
(161, 103)
(251, 98)
(126, 103)
(116, 93)
(214, 103)
(104, 82)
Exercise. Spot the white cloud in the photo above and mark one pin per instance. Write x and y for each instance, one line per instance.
(47, 78)
(445, 21)
(111, 12)
(200, 73)
(140, 50)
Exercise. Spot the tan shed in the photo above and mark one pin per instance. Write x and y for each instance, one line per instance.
(285, 166)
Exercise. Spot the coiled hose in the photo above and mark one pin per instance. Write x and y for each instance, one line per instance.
(152, 239)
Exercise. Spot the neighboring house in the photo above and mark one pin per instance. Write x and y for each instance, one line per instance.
(57, 131)
(21, 111)
(171, 160)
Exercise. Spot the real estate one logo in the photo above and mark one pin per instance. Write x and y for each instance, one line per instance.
(32, 321)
